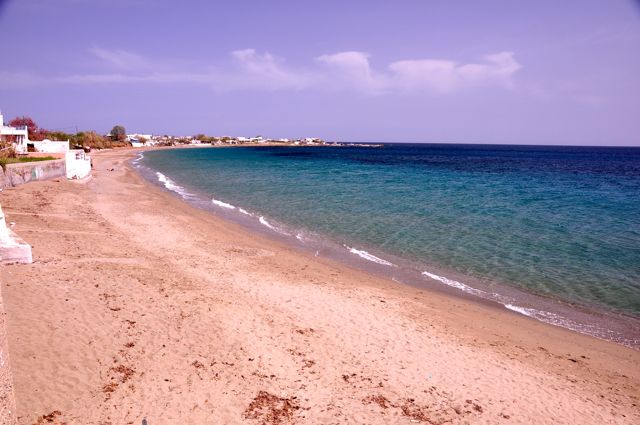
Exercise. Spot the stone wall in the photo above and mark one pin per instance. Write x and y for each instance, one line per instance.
(17, 174)
(7, 398)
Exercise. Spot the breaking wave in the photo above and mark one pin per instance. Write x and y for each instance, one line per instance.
(548, 317)
(264, 222)
(222, 204)
(455, 284)
(369, 257)
(171, 185)
(541, 315)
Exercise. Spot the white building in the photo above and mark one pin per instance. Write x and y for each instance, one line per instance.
(21, 135)
(138, 136)
(138, 140)
(49, 146)
(77, 162)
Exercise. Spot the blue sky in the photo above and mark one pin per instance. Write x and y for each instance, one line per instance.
(544, 72)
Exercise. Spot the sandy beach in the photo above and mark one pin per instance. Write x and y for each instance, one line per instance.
(140, 306)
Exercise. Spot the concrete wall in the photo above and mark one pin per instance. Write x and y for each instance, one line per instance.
(12, 249)
(78, 164)
(17, 174)
(50, 146)
(7, 397)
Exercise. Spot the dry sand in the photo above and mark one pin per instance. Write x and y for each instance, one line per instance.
(138, 305)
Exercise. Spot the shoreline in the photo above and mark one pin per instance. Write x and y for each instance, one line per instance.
(596, 321)
(140, 305)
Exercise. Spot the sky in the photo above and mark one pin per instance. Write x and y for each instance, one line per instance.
(543, 72)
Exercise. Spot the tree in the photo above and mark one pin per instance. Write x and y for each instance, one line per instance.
(91, 139)
(24, 122)
(118, 133)
(35, 133)
(58, 135)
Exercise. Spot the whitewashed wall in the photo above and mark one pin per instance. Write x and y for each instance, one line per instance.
(49, 146)
(78, 164)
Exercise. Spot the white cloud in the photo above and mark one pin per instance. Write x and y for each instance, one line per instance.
(447, 76)
(122, 59)
(260, 71)
(351, 70)
(97, 79)
(424, 74)
(250, 70)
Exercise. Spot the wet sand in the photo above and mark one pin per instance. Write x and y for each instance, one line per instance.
(139, 305)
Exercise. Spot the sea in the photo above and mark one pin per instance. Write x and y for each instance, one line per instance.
(548, 232)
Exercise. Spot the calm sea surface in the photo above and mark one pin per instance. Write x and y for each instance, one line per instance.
(546, 231)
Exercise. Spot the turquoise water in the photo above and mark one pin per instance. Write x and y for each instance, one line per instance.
(496, 221)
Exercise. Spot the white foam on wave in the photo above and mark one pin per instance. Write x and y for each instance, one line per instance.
(171, 185)
(222, 204)
(264, 221)
(547, 316)
(299, 237)
(243, 211)
(455, 284)
(367, 256)
(137, 159)
(541, 315)
(521, 310)
(564, 322)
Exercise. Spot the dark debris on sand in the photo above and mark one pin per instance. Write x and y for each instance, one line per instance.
(271, 409)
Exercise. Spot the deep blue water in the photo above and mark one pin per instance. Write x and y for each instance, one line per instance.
(562, 222)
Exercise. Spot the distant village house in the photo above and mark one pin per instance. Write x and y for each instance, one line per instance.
(77, 162)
